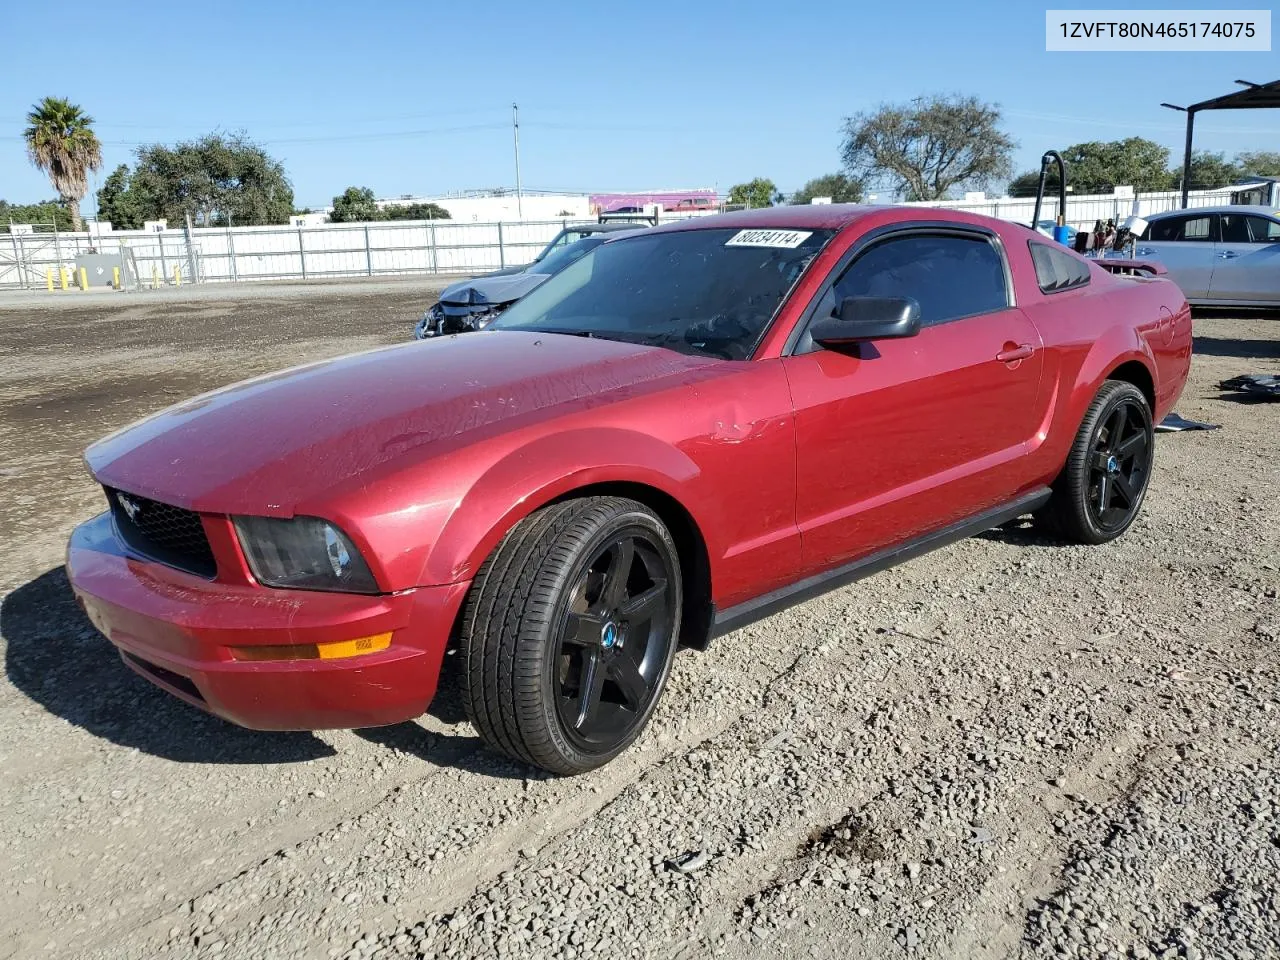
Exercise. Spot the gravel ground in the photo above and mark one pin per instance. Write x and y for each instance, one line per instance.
(1010, 747)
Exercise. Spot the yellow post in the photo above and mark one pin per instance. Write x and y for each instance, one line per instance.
(63, 277)
(155, 277)
(84, 279)
(115, 277)
(177, 276)
(48, 279)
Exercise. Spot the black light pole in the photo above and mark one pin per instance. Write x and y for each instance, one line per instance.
(1186, 153)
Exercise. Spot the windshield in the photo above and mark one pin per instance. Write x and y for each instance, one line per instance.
(711, 292)
(561, 257)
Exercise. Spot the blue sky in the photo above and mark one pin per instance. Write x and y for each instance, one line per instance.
(415, 97)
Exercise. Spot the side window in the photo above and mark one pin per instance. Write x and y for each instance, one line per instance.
(949, 276)
(1179, 228)
(1197, 228)
(1235, 228)
(1262, 230)
(1057, 270)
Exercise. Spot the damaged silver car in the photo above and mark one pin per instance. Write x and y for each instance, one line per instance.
(473, 304)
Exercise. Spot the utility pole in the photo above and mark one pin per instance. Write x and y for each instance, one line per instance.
(515, 130)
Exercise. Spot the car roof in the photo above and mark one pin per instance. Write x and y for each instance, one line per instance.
(825, 216)
(1225, 208)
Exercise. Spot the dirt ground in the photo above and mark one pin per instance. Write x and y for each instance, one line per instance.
(1009, 747)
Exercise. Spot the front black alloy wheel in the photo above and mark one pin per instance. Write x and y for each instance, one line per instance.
(614, 640)
(570, 631)
(1098, 495)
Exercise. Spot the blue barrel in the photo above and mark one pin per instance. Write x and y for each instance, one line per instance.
(1062, 235)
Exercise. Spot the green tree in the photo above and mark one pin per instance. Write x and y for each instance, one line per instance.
(49, 211)
(415, 211)
(1259, 163)
(840, 187)
(1026, 184)
(759, 192)
(61, 142)
(219, 179)
(925, 148)
(119, 204)
(1101, 166)
(1208, 171)
(355, 205)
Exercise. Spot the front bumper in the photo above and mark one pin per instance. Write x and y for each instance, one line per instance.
(178, 631)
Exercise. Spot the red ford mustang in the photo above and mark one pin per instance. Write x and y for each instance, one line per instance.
(687, 429)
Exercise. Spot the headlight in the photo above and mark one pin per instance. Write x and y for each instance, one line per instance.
(304, 553)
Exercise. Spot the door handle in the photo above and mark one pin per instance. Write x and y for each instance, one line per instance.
(1228, 255)
(1013, 353)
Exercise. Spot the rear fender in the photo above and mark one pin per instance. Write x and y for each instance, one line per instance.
(536, 474)
(1116, 347)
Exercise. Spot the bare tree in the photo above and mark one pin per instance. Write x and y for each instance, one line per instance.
(924, 148)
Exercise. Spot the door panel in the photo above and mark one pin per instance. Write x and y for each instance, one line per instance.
(1185, 246)
(898, 437)
(1247, 260)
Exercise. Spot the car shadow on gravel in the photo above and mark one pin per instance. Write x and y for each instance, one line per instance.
(1230, 347)
(1020, 533)
(461, 747)
(55, 656)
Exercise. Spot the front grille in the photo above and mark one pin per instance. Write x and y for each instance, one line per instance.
(164, 533)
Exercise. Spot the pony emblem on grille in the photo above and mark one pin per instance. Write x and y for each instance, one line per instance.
(130, 506)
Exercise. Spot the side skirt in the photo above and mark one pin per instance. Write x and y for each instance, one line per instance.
(733, 618)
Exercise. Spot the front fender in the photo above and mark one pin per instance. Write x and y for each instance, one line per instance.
(549, 467)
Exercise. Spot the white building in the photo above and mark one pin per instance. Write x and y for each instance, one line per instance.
(505, 207)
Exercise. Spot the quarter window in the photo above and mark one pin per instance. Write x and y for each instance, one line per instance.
(1262, 230)
(1057, 270)
(949, 276)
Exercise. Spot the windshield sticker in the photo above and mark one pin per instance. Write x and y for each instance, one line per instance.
(785, 239)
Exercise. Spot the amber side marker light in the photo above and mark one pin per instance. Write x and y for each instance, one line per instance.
(338, 650)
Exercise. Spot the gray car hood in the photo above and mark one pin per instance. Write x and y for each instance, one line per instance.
(466, 295)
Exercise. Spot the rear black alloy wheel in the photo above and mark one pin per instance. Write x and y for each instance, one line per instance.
(570, 631)
(1101, 489)
(1119, 464)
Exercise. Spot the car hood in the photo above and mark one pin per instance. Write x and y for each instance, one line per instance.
(266, 445)
(490, 291)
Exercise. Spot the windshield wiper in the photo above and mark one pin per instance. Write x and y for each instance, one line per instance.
(669, 340)
(569, 332)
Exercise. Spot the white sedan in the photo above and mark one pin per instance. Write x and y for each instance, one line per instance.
(1219, 256)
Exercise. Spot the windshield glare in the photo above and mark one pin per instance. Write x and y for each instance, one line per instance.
(561, 240)
(711, 292)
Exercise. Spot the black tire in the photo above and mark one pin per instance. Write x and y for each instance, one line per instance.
(1100, 491)
(562, 612)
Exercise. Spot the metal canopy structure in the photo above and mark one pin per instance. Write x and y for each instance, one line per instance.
(1254, 96)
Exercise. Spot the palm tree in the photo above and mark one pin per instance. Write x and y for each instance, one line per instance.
(61, 142)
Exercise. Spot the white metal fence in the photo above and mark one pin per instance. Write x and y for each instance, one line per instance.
(282, 253)
(406, 247)
(1084, 210)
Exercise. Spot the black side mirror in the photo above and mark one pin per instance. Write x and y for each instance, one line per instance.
(867, 318)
